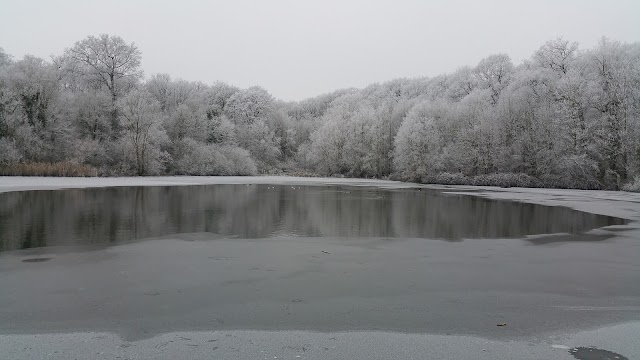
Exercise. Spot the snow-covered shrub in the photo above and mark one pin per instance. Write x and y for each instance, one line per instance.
(632, 186)
(506, 180)
(240, 161)
(196, 158)
(447, 179)
(574, 172)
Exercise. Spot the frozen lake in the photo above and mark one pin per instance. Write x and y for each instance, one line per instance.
(310, 255)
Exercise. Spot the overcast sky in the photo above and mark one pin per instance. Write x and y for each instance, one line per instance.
(297, 49)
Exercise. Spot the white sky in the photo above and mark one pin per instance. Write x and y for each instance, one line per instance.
(297, 49)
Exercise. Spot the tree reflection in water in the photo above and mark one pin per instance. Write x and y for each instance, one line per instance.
(111, 215)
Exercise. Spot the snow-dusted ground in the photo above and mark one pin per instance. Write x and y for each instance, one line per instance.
(19, 183)
(301, 345)
(259, 344)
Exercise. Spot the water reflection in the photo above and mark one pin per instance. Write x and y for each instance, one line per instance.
(108, 215)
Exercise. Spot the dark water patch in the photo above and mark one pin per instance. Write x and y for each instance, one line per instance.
(36, 260)
(563, 238)
(591, 353)
(619, 229)
(104, 216)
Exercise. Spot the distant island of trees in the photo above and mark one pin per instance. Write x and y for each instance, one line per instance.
(565, 118)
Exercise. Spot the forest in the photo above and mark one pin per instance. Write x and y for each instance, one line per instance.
(566, 117)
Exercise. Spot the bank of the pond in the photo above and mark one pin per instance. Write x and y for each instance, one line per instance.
(621, 340)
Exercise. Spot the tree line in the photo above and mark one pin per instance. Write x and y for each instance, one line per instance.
(565, 117)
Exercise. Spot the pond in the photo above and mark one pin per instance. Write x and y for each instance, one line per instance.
(142, 261)
(96, 216)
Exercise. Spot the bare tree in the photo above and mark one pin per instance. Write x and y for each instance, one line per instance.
(106, 61)
(143, 133)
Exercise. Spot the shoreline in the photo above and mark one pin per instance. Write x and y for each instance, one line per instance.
(255, 344)
(621, 204)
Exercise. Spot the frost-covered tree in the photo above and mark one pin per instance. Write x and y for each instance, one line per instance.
(614, 85)
(105, 61)
(5, 59)
(556, 55)
(142, 133)
(252, 111)
(249, 106)
(494, 73)
(565, 117)
(461, 83)
(160, 86)
(33, 112)
(419, 143)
